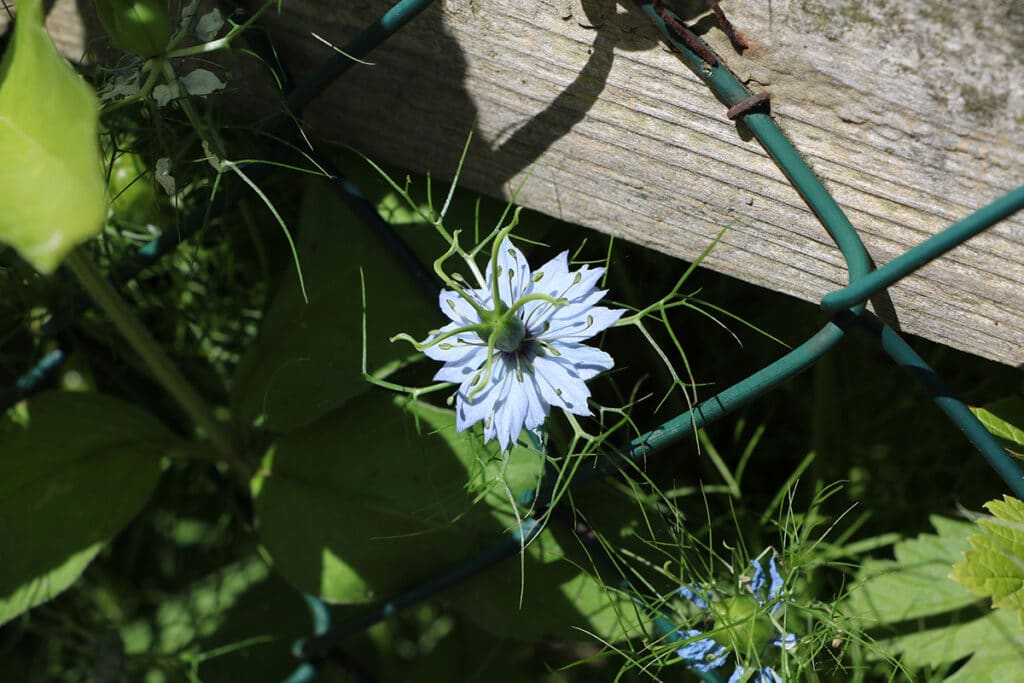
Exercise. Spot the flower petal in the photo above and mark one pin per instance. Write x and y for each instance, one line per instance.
(510, 411)
(703, 654)
(579, 323)
(586, 361)
(458, 310)
(691, 595)
(767, 675)
(757, 580)
(538, 315)
(786, 642)
(583, 281)
(561, 385)
(513, 272)
(553, 278)
(454, 348)
(458, 370)
(777, 581)
(764, 675)
(481, 407)
(537, 408)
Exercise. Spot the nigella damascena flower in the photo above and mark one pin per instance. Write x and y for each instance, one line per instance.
(765, 674)
(514, 346)
(757, 582)
(702, 654)
(740, 625)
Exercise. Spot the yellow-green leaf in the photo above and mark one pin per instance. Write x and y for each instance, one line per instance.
(995, 566)
(1005, 419)
(53, 190)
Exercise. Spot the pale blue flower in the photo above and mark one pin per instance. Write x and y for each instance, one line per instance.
(765, 674)
(515, 358)
(701, 655)
(786, 642)
(706, 654)
(757, 583)
(690, 594)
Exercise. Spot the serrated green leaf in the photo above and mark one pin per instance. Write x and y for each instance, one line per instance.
(361, 505)
(994, 643)
(1004, 418)
(307, 361)
(74, 469)
(915, 584)
(995, 566)
(53, 189)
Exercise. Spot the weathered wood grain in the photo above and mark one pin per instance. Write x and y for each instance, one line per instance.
(64, 23)
(911, 111)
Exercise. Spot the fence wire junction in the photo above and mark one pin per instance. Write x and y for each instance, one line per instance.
(845, 308)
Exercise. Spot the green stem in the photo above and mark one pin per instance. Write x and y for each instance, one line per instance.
(152, 355)
(200, 49)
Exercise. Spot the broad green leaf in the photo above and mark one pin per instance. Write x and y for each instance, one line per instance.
(359, 500)
(74, 469)
(547, 599)
(467, 653)
(915, 584)
(995, 566)
(1005, 419)
(362, 504)
(254, 643)
(54, 195)
(254, 637)
(994, 643)
(199, 610)
(307, 360)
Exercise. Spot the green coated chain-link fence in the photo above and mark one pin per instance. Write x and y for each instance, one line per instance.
(845, 309)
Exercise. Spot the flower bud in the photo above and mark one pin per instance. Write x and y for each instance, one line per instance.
(132, 195)
(742, 623)
(142, 27)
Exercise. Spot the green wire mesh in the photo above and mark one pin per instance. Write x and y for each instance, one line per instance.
(845, 308)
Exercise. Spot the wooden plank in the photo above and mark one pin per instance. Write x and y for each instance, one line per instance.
(63, 22)
(911, 111)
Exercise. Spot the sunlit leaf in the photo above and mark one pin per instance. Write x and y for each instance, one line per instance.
(53, 188)
(995, 566)
(994, 643)
(915, 584)
(1005, 419)
(384, 494)
(892, 596)
(361, 505)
